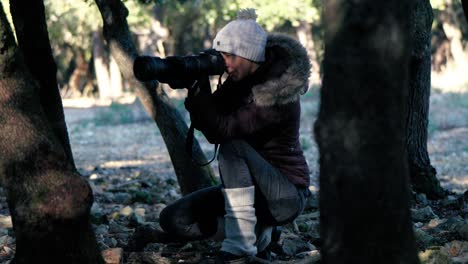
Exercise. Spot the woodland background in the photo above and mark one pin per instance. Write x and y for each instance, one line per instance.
(164, 28)
(123, 156)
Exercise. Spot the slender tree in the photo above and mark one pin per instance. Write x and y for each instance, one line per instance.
(48, 200)
(422, 174)
(191, 177)
(364, 185)
(465, 9)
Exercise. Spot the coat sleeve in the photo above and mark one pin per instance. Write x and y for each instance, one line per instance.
(219, 127)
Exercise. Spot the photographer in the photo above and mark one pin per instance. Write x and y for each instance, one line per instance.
(254, 116)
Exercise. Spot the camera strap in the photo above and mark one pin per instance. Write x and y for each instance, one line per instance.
(191, 134)
(189, 147)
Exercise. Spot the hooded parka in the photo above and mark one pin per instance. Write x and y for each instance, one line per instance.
(263, 109)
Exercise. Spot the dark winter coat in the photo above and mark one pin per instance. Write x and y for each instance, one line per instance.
(263, 108)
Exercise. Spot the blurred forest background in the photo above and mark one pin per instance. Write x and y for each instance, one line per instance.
(88, 75)
(179, 27)
(119, 150)
(87, 71)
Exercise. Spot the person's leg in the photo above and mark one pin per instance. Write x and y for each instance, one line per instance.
(277, 200)
(263, 236)
(194, 216)
(249, 179)
(239, 221)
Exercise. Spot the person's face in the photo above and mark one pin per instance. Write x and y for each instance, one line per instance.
(237, 67)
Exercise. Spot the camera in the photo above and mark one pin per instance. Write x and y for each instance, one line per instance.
(179, 69)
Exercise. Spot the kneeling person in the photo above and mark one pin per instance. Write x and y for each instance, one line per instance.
(255, 117)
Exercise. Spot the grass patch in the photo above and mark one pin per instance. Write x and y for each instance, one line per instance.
(447, 110)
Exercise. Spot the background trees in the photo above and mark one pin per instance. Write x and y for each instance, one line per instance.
(164, 28)
(36, 164)
(191, 177)
(181, 27)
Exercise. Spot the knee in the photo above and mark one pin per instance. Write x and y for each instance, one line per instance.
(182, 224)
(285, 210)
(167, 219)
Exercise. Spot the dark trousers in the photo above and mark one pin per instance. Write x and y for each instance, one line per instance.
(277, 201)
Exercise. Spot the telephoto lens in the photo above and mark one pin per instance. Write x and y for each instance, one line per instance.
(179, 68)
(147, 68)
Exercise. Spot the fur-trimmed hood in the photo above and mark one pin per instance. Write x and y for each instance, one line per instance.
(288, 76)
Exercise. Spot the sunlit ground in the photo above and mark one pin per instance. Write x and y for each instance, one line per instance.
(451, 80)
(87, 102)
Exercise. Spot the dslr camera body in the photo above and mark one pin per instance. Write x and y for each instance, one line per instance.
(179, 71)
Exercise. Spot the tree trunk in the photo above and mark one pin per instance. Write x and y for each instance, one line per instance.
(33, 39)
(48, 200)
(465, 9)
(116, 85)
(364, 185)
(101, 66)
(304, 34)
(182, 31)
(79, 76)
(422, 174)
(451, 25)
(191, 177)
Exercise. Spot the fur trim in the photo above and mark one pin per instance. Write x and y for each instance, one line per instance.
(292, 82)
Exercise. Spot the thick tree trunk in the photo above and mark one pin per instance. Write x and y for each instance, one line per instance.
(364, 185)
(422, 174)
(191, 177)
(33, 39)
(48, 200)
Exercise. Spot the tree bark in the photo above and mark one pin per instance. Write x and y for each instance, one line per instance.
(48, 200)
(422, 174)
(33, 39)
(465, 9)
(191, 177)
(364, 185)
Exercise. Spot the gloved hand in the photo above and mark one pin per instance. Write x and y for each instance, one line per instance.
(198, 94)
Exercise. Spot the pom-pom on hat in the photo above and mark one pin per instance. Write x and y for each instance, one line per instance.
(242, 37)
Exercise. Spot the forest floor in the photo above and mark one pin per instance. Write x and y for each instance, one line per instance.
(120, 151)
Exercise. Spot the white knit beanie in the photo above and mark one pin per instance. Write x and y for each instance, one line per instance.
(242, 37)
